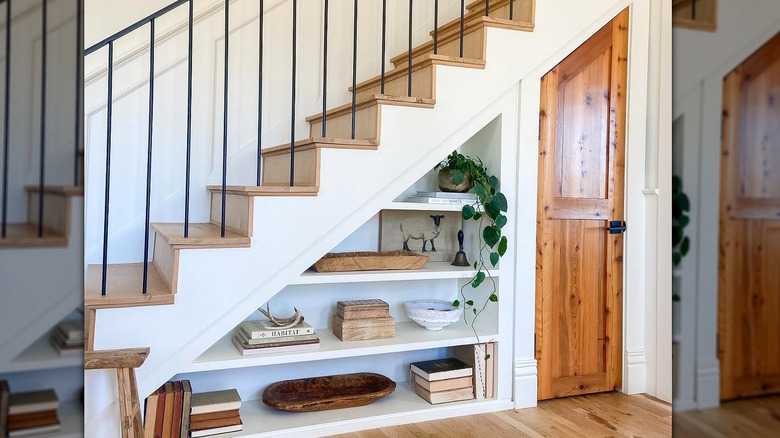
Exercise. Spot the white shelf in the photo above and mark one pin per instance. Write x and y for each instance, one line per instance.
(431, 271)
(419, 206)
(41, 355)
(71, 415)
(402, 406)
(408, 336)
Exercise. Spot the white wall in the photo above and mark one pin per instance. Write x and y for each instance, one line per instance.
(701, 60)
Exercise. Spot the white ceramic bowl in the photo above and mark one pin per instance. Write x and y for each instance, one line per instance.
(432, 314)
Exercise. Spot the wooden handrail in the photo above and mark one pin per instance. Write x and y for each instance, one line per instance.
(115, 359)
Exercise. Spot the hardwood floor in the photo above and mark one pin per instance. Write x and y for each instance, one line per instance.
(599, 415)
(757, 417)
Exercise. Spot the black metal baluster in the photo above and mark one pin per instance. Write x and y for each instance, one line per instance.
(487, 8)
(77, 125)
(462, 12)
(109, 108)
(511, 9)
(354, 66)
(436, 27)
(190, 29)
(42, 169)
(409, 55)
(384, 46)
(693, 10)
(261, 18)
(149, 157)
(325, 73)
(225, 120)
(6, 117)
(292, 99)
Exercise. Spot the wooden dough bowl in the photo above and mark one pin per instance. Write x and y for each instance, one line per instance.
(330, 392)
(369, 261)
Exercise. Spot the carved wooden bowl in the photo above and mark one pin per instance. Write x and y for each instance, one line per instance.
(330, 392)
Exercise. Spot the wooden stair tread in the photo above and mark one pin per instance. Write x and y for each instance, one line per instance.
(266, 190)
(26, 236)
(401, 69)
(451, 31)
(322, 143)
(64, 190)
(201, 235)
(124, 287)
(375, 99)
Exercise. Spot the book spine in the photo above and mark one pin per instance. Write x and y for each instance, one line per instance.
(457, 201)
(263, 334)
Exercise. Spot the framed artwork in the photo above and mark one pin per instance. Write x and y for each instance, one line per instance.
(432, 233)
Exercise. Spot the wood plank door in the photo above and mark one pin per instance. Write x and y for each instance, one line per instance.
(749, 264)
(579, 264)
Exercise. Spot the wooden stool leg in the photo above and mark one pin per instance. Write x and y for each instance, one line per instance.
(129, 406)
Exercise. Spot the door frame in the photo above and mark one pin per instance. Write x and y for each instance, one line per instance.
(647, 338)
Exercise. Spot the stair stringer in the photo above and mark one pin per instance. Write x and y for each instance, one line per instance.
(200, 317)
(41, 286)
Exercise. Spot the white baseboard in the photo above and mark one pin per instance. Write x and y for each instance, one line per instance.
(635, 376)
(707, 382)
(683, 405)
(525, 383)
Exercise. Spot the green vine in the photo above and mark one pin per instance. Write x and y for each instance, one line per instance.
(488, 211)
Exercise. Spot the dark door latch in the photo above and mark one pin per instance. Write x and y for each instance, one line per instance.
(617, 227)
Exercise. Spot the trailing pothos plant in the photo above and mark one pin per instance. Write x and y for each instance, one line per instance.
(681, 243)
(488, 211)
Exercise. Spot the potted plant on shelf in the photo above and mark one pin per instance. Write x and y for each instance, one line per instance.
(488, 211)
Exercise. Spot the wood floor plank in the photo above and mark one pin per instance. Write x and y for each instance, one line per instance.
(757, 417)
(596, 415)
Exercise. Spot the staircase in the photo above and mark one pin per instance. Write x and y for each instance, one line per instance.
(313, 192)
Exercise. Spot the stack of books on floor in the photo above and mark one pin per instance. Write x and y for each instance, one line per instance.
(215, 412)
(361, 320)
(443, 198)
(258, 337)
(443, 380)
(68, 338)
(168, 411)
(31, 413)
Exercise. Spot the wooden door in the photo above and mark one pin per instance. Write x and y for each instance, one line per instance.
(749, 264)
(579, 264)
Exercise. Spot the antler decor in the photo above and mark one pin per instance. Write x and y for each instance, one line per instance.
(281, 323)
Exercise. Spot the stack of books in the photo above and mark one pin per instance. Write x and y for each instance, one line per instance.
(32, 413)
(168, 410)
(215, 412)
(443, 198)
(361, 320)
(482, 358)
(68, 338)
(258, 337)
(443, 380)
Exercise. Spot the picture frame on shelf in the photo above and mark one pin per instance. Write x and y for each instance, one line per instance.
(429, 232)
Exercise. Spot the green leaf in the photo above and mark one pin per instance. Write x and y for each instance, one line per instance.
(677, 236)
(478, 279)
(681, 199)
(683, 221)
(479, 189)
(477, 216)
(468, 212)
(475, 265)
(470, 303)
(500, 221)
(494, 258)
(500, 201)
(456, 303)
(502, 246)
(676, 298)
(474, 310)
(676, 184)
(676, 258)
(487, 356)
(492, 210)
(494, 183)
(458, 177)
(685, 246)
(493, 298)
(491, 235)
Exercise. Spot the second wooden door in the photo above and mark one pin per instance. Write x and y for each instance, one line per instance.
(579, 248)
